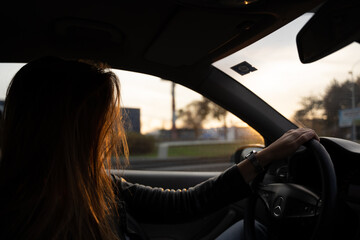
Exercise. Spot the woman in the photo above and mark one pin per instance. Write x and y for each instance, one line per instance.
(62, 124)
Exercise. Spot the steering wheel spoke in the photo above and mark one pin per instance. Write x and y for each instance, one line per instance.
(287, 200)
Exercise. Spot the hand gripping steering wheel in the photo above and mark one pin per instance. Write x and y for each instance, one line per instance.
(287, 200)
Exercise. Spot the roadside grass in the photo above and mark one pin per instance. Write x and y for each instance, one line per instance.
(206, 150)
(203, 150)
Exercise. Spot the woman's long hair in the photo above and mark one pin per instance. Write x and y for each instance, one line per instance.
(61, 122)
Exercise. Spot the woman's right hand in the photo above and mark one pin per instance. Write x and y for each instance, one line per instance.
(283, 147)
(286, 145)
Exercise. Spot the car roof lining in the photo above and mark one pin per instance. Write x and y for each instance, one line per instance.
(154, 37)
(193, 35)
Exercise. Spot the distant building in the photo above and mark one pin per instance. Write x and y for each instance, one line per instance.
(2, 103)
(132, 119)
(183, 134)
(232, 133)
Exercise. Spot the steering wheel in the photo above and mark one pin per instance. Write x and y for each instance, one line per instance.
(286, 200)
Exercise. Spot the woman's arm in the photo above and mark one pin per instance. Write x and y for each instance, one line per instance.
(149, 204)
(159, 205)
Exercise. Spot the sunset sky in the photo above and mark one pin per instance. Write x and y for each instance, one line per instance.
(281, 79)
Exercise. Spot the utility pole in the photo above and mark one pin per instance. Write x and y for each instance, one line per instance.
(173, 128)
(353, 125)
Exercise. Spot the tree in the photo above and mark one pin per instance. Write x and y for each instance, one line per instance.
(310, 108)
(196, 113)
(220, 114)
(323, 111)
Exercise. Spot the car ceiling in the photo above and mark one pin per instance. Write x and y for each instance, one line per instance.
(169, 39)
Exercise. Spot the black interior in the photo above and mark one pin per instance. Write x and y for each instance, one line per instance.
(178, 41)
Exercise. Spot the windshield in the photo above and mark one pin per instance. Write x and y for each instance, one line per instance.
(323, 95)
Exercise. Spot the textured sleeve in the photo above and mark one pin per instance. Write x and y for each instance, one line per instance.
(159, 205)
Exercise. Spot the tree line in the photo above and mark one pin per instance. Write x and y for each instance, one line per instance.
(322, 112)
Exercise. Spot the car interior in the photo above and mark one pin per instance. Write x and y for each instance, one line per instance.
(314, 194)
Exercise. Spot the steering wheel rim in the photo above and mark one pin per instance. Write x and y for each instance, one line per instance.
(328, 196)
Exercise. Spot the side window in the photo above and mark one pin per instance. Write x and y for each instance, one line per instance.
(170, 127)
(182, 133)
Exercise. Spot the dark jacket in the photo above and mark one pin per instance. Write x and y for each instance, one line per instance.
(156, 205)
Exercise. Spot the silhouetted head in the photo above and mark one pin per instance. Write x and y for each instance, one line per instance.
(61, 123)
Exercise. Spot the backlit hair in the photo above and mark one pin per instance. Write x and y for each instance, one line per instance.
(61, 126)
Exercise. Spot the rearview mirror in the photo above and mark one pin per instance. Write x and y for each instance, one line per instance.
(335, 25)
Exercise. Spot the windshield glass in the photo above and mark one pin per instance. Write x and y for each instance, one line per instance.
(323, 95)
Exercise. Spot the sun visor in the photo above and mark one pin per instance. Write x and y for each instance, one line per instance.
(192, 35)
